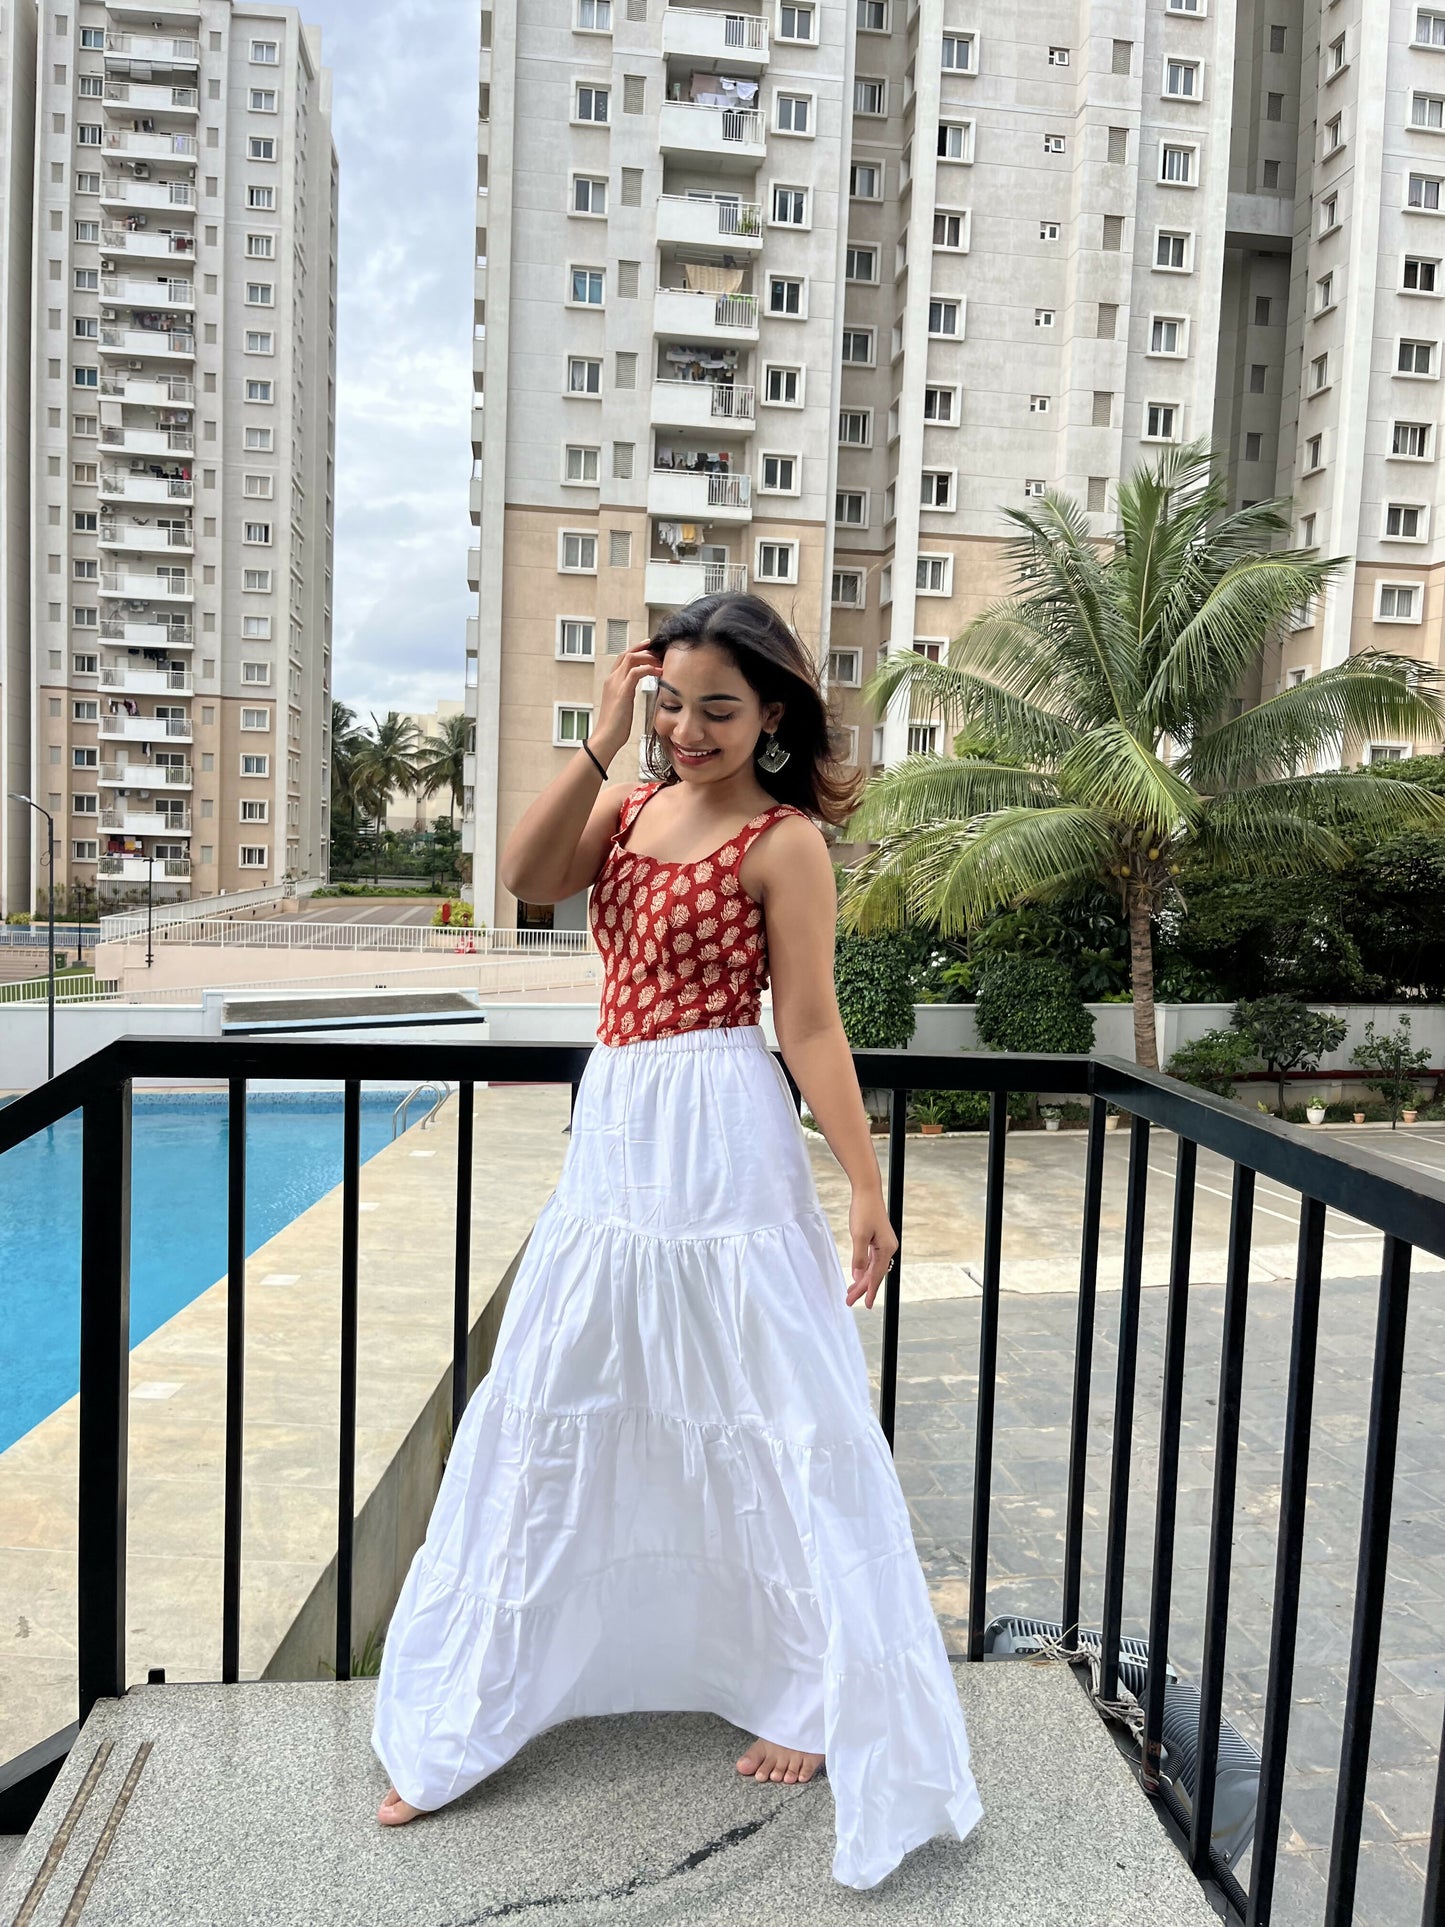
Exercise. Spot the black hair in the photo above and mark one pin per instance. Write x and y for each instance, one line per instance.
(773, 662)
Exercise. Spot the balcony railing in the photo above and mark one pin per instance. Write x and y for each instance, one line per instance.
(141, 487)
(704, 125)
(119, 582)
(1221, 1810)
(146, 776)
(148, 193)
(136, 820)
(155, 47)
(153, 681)
(722, 310)
(149, 146)
(140, 240)
(149, 441)
(148, 294)
(700, 218)
(137, 869)
(153, 391)
(126, 535)
(146, 341)
(149, 635)
(723, 401)
(138, 98)
(140, 729)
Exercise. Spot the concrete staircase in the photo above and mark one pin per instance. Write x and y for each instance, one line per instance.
(256, 1804)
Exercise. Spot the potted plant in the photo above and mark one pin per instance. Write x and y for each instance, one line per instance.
(1359, 1116)
(1396, 1064)
(1111, 1117)
(1409, 1114)
(1315, 1111)
(929, 1109)
(1051, 1114)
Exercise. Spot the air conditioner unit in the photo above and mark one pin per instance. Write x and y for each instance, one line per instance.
(141, 170)
(135, 364)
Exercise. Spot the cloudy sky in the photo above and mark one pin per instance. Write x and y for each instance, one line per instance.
(404, 99)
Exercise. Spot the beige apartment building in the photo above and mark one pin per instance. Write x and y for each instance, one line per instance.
(181, 416)
(799, 297)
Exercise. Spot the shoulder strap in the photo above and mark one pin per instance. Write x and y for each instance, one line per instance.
(750, 834)
(632, 803)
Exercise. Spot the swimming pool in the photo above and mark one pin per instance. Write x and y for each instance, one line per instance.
(178, 1220)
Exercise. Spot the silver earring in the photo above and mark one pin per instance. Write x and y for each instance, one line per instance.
(774, 756)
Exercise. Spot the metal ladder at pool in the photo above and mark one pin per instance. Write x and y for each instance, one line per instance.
(441, 1092)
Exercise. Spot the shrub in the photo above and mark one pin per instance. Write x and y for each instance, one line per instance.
(453, 913)
(1213, 1061)
(1287, 1034)
(966, 1110)
(875, 997)
(1395, 1062)
(1030, 1004)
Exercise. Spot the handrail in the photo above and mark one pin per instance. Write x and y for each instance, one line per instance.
(399, 1115)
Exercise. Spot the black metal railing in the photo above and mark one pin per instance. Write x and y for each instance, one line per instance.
(1406, 1206)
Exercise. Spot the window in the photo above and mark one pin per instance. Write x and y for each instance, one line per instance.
(1324, 293)
(939, 404)
(256, 628)
(872, 16)
(253, 765)
(1160, 421)
(860, 264)
(593, 104)
(950, 231)
(955, 140)
(1423, 193)
(1319, 373)
(855, 427)
(1276, 39)
(1314, 453)
(1058, 56)
(87, 377)
(1410, 441)
(845, 666)
(253, 856)
(86, 328)
(256, 533)
(795, 23)
(777, 562)
(1043, 317)
(783, 386)
(1420, 275)
(86, 182)
(586, 287)
(85, 569)
(256, 580)
(1181, 79)
(934, 575)
(1405, 521)
(92, 86)
(1335, 56)
(85, 665)
(255, 809)
(82, 851)
(255, 719)
(958, 53)
(1398, 602)
(1415, 358)
(1039, 404)
(571, 724)
(1048, 230)
(261, 197)
(936, 490)
(790, 206)
(84, 521)
(1253, 446)
(87, 231)
(847, 592)
(850, 508)
(1054, 144)
(265, 53)
(584, 375)
(1429, 28)
(785, 295)
(87, 280)
(594, 16)
(85, 804)
(1307, 532)
(93, 37)
(255, 672)
(1258, 373)
(263, 100)
(1167, 334)
(258, 391)
(1271, 175)
(576, 639)
(1427, 110)
(581, 464)
(589, 194)
(865, 181)
(1334, 134)
(869, 96)
(261, 247)
(85, 712)
(1329, 213)
(87, 134)
(945, 318)
(794, 113)
(261, 147)
(260, 341)
(1171, 251)
(779, 474)
(577, 552)
(1176, 164)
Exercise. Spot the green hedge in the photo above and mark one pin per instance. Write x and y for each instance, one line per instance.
(1030, 1004)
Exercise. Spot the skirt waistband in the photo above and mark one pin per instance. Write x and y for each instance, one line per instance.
(723, 1037)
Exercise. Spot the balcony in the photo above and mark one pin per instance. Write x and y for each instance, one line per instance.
(683, 495)
(159, 52)
(181, 14)
(149, 634)
(149, 441)
(670, 584)
(474, 568)
(719, 405)
(141, 242)
(692, 314)
(132, 486)
(136, 680)
(126, 191)
(703, 221)
(151, 344)
(134, 99)
(173, 586)
(131, 820)
(140, 146)
(474, 501)
(730, 137)
(147, 294)
(140, 869)
(143, 539)
(121, 728)
(147, 391)
(736, 39)
(145, 776)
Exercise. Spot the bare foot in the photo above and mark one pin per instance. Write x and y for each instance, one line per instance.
(764, 1761)
(394, 1811)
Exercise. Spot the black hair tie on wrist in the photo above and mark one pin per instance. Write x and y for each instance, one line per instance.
(596, 765)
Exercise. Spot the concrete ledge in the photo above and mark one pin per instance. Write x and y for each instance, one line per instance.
(257, 1804)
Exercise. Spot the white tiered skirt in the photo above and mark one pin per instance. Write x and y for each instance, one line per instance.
(670, 1492)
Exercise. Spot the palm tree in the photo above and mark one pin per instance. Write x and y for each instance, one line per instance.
(385, 761)
(442, 761)
(1100, 735)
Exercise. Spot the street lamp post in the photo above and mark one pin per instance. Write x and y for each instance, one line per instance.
(150, 906)
(16, 797)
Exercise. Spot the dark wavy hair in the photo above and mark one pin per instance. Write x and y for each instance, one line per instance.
(772, 661)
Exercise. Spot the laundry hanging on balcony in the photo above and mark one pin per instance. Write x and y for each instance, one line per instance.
(693, 363)
(703, 278)
(722, 90)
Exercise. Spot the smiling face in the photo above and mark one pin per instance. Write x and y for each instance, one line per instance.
(707, 715)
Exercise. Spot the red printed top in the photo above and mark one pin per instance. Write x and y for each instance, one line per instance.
(684, 946)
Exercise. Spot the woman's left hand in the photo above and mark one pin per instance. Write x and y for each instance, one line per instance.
(874, 1243)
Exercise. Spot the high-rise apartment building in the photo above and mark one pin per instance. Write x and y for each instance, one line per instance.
(182, 401)
(800, 297)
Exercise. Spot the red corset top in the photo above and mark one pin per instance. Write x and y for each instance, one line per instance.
(683, 945)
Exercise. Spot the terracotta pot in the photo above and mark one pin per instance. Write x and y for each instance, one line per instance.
(1359, 1117)
(1409, 1116)
(1111, 1121)
(931, 1130)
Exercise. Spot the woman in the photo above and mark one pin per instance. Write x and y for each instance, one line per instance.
(670, 1492)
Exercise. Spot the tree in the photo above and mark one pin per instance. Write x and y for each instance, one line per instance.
(1213, 1061)
(1288, 1035)
(1395, 1062)
(441, 761)
(385, 761)
(1100, 741)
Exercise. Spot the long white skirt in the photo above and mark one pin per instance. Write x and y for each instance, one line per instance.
(670, 1492)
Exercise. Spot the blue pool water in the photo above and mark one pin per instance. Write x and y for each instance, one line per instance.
(178, 1221)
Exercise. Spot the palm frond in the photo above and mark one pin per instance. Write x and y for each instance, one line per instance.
(924, 789)
(1019, 730)
(1112, 771)
(1351, 805)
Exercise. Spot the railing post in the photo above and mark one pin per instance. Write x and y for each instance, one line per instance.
(235, 1379)
(346, 1456)
(1083, 1370)
(462, 1272)
(1118, 1529)
(987, 1370)
(104, 1392)
(893, 1283)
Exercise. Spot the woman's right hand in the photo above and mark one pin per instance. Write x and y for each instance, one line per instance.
(619, 697)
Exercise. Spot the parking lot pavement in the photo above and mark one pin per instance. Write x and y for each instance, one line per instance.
(369, 910)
